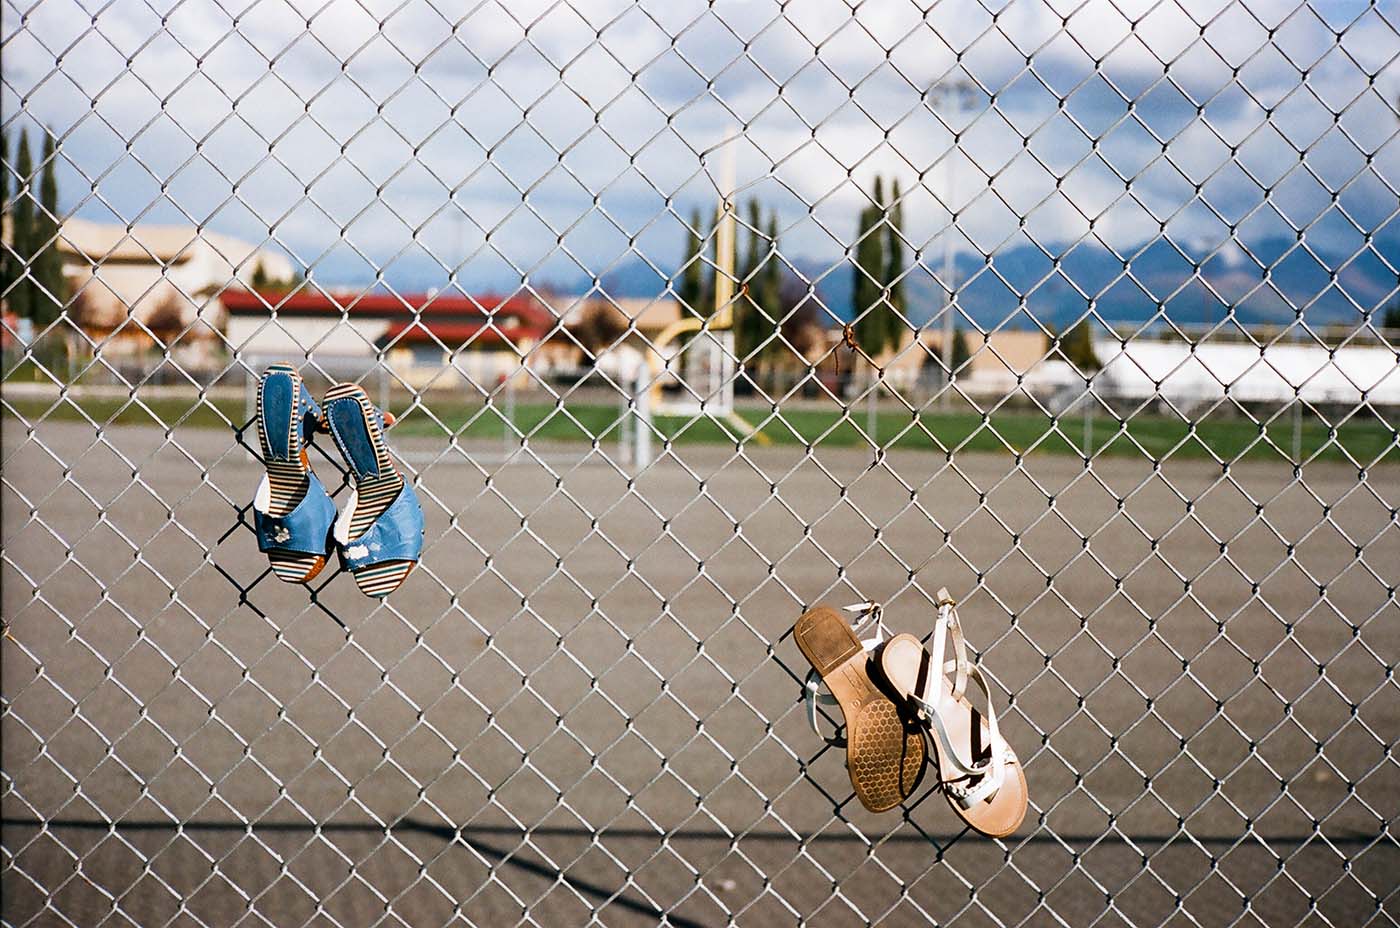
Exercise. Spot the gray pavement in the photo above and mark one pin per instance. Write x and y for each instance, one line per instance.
(586, 701)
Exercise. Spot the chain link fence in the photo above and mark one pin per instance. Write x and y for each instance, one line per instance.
(694, 315)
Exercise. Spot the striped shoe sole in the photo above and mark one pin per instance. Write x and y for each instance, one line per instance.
(288, 482)
(373, 496)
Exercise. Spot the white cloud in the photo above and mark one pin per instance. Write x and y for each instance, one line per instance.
(308, 122)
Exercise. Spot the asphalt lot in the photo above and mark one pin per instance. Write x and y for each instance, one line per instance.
(587, 698)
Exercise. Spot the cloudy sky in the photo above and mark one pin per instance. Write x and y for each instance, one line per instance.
(559, 141)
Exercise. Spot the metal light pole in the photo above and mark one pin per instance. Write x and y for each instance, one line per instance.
(961, 94)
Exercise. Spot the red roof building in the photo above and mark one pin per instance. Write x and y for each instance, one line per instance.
(418, 336)
(455, 321)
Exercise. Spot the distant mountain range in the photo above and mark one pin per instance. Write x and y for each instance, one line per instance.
(988, 291)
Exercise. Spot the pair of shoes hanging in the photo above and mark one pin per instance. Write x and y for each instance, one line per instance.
(893, 695)
(379, 533)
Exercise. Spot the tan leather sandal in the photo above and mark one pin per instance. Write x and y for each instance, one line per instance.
(978, 771)
(885, 753)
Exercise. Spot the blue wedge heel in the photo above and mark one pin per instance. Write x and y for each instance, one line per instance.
(292, 513)
(379, 534)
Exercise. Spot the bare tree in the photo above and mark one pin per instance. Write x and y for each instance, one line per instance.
(803, 334)
(599, 326)
(166, 316)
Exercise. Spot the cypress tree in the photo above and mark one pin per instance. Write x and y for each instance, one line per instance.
(772, 278)
(894, 270)
(1077, 347)
(748, 311)
(50, 294)
(709, 267)
(1082, 341)
(872, 328)
(858, 287)
(961, 353)
(693, 275)
(755, 253)
(771, 283)
(867, 273)
(22, 232)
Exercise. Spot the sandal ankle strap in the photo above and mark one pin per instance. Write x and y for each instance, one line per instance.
(811, 687)
(992, 770)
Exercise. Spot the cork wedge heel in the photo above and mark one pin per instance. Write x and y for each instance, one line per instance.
(885, 752)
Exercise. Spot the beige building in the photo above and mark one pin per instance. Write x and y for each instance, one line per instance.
(996, 359)
(636, 321)
(167, 277)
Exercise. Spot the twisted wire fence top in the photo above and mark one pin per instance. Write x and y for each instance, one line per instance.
(694, 315)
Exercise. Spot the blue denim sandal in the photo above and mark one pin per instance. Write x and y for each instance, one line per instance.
(292, 512)
(379, 534)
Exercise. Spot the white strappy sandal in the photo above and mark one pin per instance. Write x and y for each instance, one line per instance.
(978, 771)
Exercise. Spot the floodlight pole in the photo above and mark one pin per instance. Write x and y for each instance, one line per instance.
(722, 328)
(719, 325)
(724, 245)
(960, 92)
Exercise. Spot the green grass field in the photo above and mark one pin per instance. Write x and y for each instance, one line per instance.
(1007, 432)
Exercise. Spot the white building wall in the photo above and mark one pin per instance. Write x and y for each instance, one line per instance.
(294, 335)
(1276, 374)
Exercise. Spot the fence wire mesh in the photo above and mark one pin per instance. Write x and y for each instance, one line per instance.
(693, 315)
